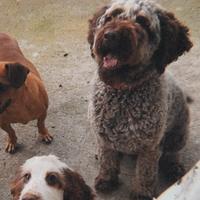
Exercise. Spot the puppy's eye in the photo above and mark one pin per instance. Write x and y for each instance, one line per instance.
(52, 179)
(27, 177)
(143, 21)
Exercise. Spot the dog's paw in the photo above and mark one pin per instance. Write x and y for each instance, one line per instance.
(106, 185)
(47, 138)
(10, 147)
(174, 172)
(134, 196)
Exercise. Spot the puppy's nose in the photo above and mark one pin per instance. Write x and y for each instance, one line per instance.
(112, 35)
(29, 196)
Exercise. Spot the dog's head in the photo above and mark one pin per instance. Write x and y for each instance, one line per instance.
(12, 77)
(130, 38)
(47, 178)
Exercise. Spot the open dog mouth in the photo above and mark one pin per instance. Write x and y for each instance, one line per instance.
(110, 62)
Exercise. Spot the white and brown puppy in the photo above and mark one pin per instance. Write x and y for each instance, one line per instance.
(22, 93)
(47, 178)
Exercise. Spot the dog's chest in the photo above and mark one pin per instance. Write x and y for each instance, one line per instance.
(126, 120)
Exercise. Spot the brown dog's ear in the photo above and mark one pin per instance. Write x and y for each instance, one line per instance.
(174, 40)
(93, 24)
(75, 187)
(16, 186)
(16, 74)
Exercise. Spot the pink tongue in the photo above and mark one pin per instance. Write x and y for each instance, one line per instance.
(109, 61)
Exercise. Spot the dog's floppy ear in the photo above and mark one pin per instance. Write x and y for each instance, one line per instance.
(16, 74)
(75, 187)
(16, 186)
(93, 24)
(174, 40)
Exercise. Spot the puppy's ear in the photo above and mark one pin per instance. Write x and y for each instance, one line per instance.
(92, 26)
(16, 74)
(16, 186)
(75, 187)
(174, 40)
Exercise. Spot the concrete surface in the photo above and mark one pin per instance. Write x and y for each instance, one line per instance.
(48, 29)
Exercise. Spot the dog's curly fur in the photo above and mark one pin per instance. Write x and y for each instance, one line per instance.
(137, 108)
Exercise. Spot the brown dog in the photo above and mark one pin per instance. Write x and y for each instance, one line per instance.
(22, 94)
(136, 107)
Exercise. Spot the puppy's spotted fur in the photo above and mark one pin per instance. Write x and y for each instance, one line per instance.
(137, 108)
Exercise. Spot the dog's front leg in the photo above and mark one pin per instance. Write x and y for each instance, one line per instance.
(144, 184)
(107, 180)
(12, 138)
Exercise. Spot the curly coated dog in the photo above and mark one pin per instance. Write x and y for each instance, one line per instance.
(136, 108)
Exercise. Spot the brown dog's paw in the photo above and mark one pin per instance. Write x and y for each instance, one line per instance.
(10, 147)
(134, 196)
(47, 138)
(106, 185)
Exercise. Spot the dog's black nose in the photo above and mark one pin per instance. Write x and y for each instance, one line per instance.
(30, 196)
(110, 35)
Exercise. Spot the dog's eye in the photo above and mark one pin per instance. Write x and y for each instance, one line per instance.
(143, 21)
(108, 18)
(27, 177)
(52, 179)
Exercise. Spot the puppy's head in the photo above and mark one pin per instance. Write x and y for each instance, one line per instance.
(130, 38)
(47, 178)
(12, 77)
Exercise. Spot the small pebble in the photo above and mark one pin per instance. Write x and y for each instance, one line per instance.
(66, 54)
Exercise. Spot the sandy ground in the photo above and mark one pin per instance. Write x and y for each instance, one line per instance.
(48, 29)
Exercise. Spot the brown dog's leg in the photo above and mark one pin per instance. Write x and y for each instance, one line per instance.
(173, 142)
(46, 137)
(144, 184)
(12, 139)
(107, 180)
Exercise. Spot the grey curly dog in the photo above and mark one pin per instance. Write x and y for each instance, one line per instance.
(137, 108)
